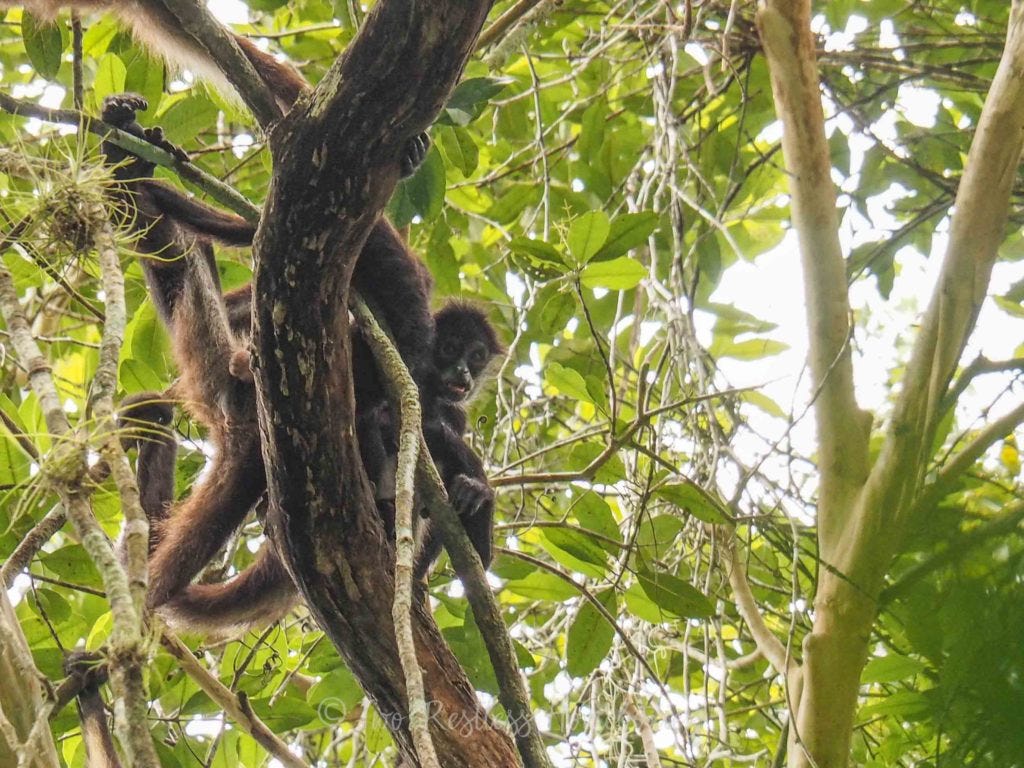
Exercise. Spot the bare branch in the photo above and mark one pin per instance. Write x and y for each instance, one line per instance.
(236, 706)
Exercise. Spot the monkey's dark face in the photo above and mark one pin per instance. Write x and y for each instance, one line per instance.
(144, 416)
(460, 363)
(465, 344)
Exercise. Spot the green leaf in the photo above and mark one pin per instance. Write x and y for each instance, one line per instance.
(590, 636)
(110, 75)
(459, 148)
(470, 97)
(619, 274)
(187, 118)
(695, 500)
(422, 194)
(593, 513)
(674, 595)
(541, 585)
(579, 545)
(891, 669)
(587, 234)
(751, 349)
(567, 382)
(765, 403)
(44, 44)
(627, 231)
(538, 259)
(906, 705)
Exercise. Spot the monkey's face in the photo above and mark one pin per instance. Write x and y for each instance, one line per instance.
(144, 416)
(461, 362)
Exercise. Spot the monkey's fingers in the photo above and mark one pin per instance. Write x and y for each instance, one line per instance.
(415, 153)
(119, 108)
(155, 136)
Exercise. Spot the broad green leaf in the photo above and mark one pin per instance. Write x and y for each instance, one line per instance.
(422, 194)
(695, 500)
(538, 259)
(891, 669)
(187, 118)
(44, 44)
(765, 403)
(587, 234)
(470, 97)
(619, 274)
(541, 585)
(579, 545)
(628, 231)
(566, 381)
(593, 513)
(674, 595)
(459, 148)
(590, 636)
(751, 349)
(110, 75)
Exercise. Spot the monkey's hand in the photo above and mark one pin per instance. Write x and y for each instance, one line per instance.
(471, 496)
(415, 153)
(119, 110)
(144, 416)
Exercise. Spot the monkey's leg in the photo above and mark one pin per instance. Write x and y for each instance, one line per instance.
(202, 523)
(145, 418)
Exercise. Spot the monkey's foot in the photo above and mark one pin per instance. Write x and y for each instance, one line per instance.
(415, 153)
(119, 108)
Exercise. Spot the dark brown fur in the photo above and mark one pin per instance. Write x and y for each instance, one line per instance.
(210, 334)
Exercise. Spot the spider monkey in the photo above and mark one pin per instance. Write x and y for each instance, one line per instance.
(157, 29)
(394, 281)
(263, 592)
(210, 333)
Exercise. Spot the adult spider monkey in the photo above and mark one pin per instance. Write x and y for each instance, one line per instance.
(207, 333)
(263, 592)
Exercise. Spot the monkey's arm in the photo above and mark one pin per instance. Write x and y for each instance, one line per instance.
(465, 479)
(145, 418)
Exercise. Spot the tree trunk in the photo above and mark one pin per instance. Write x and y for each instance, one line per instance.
(335, 167)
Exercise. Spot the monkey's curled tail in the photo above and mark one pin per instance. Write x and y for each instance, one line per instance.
(258, 596)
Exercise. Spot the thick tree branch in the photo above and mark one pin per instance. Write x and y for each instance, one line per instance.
(220, 45)
(337, 159)
(976, 231)
(789, 45)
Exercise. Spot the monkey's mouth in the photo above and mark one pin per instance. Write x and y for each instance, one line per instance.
(456, 390)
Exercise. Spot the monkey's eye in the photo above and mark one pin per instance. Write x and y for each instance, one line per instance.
(449, 349)
(477, 357)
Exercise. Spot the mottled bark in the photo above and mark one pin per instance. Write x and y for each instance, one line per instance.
(336, 163)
